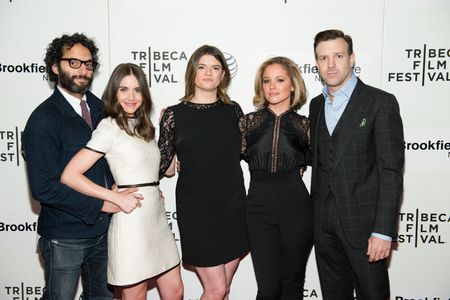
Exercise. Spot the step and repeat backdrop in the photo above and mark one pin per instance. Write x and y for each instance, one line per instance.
(401, 46)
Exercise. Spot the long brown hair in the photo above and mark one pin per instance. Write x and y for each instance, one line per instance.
(143, 127)
(191, 72)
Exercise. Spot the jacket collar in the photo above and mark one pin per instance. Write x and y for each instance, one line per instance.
(95, 107)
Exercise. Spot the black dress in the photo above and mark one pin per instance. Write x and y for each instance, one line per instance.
(279, 209)
(210, 192)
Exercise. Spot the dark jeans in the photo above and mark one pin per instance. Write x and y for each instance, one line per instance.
(66, 259)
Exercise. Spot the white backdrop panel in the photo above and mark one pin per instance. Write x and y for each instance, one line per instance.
(26, 29)
(416, 58)
(389, 41)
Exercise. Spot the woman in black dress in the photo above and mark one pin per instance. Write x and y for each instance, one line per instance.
(203, 132)
(279, 209)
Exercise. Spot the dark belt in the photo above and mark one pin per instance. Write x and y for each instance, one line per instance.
(125, 186)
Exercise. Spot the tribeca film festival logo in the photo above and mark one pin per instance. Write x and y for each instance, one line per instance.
(430, 145)
(426, 65)
(23, 292)
(165, 66)
(9, 146)
(422, 228)
(160, 64)
(171, 217)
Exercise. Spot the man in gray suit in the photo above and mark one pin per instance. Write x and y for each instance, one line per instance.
(357, 176)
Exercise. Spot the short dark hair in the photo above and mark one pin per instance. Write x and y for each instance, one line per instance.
(56, 48)
(332, 34)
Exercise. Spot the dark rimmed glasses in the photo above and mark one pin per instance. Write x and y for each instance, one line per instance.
(76, 63)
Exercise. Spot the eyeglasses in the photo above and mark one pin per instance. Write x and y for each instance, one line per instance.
(75, 63)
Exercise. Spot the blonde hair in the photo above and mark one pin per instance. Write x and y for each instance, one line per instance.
(298, 95)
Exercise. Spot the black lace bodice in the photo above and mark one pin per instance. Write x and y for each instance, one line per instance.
(167, 143)
(275, 143)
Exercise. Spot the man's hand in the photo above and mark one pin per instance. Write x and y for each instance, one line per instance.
(109, 207)
(378, 249)
(128, 199)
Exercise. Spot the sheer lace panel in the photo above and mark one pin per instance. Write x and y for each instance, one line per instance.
(301, 125)
(242, 128)
(166, 142)
(248, 124)
(237, 109)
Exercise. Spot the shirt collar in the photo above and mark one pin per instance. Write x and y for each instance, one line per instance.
(345, 91)
(69, 97)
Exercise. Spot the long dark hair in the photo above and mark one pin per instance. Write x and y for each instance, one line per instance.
(143, 127)
(191, 72)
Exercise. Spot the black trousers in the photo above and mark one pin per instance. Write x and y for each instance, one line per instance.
(280, 229)
(341, 267)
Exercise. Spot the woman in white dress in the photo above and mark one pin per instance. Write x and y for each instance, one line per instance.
(140, 242)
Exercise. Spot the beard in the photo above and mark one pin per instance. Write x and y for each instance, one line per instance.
(68, 82)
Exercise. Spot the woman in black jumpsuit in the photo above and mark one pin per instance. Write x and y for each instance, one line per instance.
(279, 209)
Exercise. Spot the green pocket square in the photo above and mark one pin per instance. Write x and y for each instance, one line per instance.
(363, 123)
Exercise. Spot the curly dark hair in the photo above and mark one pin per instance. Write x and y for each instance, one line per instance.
(55, 51)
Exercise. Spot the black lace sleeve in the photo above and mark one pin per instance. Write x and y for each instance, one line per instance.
(303, 128)
(240, 115)
(243, 130)
(237, 109)
(166, 142)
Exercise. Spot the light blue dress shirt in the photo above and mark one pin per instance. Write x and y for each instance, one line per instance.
(333, 112)
(335, 108)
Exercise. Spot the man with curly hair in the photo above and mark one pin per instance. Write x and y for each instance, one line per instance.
(71, 225)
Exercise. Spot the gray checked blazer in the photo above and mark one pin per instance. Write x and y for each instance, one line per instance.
(367, 177)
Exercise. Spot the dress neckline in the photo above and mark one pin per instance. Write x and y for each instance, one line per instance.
(280, 115)
(201, 105)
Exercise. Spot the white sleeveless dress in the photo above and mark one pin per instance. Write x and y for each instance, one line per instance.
(140, 244)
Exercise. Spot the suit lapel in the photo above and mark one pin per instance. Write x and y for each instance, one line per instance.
(67, 110)
(320, 115)
(316, 114)
(350, 119)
